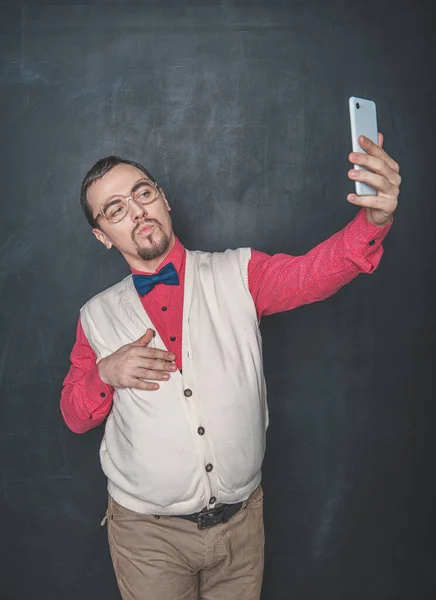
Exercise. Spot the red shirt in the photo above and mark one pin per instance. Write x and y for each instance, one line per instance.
(277, 283)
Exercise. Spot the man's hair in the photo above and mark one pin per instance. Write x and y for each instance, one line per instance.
(97, 171)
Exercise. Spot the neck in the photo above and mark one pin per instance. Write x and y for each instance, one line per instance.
(149, 266)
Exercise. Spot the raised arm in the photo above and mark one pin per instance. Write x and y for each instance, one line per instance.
(283, 282)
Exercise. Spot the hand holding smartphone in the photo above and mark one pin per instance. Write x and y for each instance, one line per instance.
(363, 121)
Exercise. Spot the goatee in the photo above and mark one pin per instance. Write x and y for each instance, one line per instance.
(157, 247)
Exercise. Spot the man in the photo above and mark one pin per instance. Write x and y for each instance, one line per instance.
(172, 357)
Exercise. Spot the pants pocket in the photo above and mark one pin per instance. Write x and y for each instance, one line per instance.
(256, 498)
(116, 512)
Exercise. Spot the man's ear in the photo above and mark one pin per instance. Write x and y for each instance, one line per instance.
(101, 237)
(168, 207)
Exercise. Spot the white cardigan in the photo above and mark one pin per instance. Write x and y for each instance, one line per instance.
(152, 454)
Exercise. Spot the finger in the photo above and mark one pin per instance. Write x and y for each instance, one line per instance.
(386, 205)
(143, 373)
(374, 150)
(145, 339)
(151, 353)
(379, 182)
(156, 365)
(139, 384)
(377, 165)
(381, 139)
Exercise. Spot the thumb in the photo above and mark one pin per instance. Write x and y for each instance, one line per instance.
(145, 339)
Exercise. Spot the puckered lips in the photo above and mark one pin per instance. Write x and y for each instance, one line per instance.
(145, 228)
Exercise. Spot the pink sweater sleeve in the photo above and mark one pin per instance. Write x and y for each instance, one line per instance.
(283, 282)
(85, 400)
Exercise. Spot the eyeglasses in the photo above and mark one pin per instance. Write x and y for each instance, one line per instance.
(144, 192)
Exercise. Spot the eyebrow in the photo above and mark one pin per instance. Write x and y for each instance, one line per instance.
(132, 191)
(138, 184)
(111, 202)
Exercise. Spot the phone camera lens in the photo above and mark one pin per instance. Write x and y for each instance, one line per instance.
(357, 105)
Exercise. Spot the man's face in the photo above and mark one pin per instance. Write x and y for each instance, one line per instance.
(145, 234)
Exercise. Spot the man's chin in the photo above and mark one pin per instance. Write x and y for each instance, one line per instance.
(150, 248)
(150, 240)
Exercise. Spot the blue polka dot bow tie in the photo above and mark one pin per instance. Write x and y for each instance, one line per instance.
(145, 283)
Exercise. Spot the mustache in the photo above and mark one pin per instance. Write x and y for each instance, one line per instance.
(145, 222)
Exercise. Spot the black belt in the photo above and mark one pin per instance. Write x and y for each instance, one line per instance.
(214, 516)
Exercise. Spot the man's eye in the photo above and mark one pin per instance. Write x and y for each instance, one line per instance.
(114, 211)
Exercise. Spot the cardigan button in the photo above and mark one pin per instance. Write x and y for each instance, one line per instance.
(102, 395)
(209, 468)
(172, 338)
(371, 243)
(200, 431)
(164, 308)
(212, 500)
(188, 393)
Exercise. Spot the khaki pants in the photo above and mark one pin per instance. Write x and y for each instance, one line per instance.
(168, 558)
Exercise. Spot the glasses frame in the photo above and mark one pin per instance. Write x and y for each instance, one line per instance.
(127, 199)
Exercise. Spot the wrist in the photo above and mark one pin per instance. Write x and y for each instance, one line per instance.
(101, 371)
(378, 223)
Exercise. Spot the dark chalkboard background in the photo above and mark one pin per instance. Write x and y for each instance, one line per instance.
(240, 111)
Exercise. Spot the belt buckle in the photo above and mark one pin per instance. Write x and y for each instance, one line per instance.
(209, 518)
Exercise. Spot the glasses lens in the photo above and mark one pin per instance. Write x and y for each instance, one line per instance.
(145, 193)
(115, 210)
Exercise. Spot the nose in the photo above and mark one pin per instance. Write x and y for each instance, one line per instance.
(138, 211)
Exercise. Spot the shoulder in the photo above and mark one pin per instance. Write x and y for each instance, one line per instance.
(238, 254)
(108, 295)
(228, 265)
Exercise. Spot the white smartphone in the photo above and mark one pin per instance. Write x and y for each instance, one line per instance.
(363, 121)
